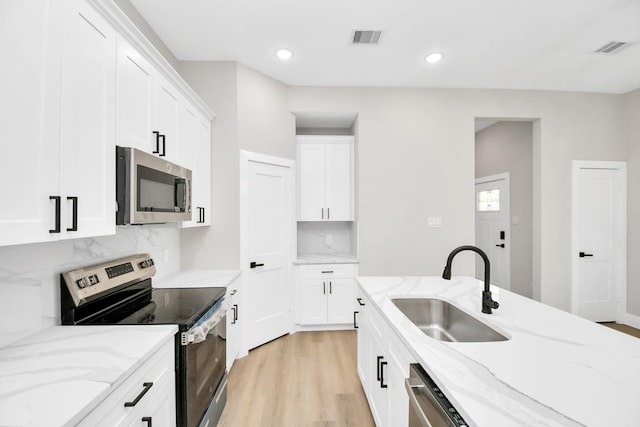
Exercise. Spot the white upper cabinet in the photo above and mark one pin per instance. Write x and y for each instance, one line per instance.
(59, 119)
(326, 188)
(166, 121)
(88, 124)
(135, 99)
(29, 161)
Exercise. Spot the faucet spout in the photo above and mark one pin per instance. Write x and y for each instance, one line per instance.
(487, 302)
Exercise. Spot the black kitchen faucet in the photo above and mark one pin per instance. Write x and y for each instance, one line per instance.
(487, 302)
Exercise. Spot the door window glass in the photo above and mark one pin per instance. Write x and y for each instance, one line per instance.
(488, 200)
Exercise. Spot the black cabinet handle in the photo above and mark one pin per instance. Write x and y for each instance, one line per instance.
(147, 420)
(355, 319)
(330, 287)
(147, 387)
(582, 254)
(254, 264)
(328, 214)
(501, 245)
(382, 365)
(360, 302)
(57, 226)
(235, 314)
(379, 360)
(327, 271)
(164, 146)
(74, 215)
(200, 215)
(157, 149)
(324, 288)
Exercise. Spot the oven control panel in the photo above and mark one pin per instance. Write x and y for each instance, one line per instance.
(87, 283)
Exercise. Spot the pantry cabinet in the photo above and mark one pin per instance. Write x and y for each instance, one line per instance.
(326, 178)
(60, 122)
(326, 294)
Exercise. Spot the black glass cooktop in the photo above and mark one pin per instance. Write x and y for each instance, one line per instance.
(181, 306)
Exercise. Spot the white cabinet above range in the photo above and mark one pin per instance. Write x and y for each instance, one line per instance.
(326, 178)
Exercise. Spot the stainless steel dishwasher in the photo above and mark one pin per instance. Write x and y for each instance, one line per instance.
(428, 406)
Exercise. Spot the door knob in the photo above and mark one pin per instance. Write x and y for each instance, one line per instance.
(254, 264)
(501, 245)
(582, 254)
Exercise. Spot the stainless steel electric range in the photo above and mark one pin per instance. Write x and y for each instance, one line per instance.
(120, 293)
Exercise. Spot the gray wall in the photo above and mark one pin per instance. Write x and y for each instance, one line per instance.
(631, 117)
(508, 147)
(251, 114)
(416, 159)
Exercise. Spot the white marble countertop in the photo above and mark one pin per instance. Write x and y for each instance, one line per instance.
(58, 375)
(555, 370)
(326, 259)
(197, 279)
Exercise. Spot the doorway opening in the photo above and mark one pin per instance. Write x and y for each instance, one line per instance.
(504, 221)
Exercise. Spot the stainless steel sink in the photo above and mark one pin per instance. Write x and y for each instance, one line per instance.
(445, 322)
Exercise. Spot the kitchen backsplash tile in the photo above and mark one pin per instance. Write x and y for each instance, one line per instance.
(326, 237)
(30, 274)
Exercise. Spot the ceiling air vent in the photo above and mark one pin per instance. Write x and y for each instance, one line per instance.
(612, 47)
(366, 36)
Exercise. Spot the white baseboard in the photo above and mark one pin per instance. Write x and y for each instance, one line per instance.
(338, 327)
(631, 320)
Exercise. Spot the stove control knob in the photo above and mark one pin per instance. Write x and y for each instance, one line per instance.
(146, 263)
(82, 282)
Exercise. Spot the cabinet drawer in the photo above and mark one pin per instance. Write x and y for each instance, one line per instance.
(112, 412)
(327, 270)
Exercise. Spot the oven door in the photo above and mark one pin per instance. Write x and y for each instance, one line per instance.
(204, 369)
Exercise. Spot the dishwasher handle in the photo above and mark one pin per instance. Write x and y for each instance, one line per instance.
(413, 385)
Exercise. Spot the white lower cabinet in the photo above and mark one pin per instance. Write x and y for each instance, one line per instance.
(326, 294)
(234, 329)
(383, 365)
(147, 397)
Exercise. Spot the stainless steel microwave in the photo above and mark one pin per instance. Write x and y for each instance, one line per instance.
(150, 190)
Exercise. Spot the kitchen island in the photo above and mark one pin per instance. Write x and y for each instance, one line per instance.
(556, 369)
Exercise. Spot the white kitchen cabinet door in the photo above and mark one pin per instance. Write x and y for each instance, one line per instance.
(234, 322)
(339, 182)
(313, 301)
(166, 120)
(135, 97)
(325, 174)
(340, 301)
(378, 385)
(363, 349)
(88, 124)
(200, 163)
(29, 164)
(161, 410)
(311, 163)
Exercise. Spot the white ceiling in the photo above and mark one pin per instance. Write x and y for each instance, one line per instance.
(507, 44)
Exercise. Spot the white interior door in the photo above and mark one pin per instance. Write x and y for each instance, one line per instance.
(493, 232)
(268, 258)
(598, 240)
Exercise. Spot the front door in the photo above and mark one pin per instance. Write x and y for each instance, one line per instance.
(599, 208)
(493, 232)
(268, 212)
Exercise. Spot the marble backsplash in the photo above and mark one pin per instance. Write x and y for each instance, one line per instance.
(30, 274)
(327, 238)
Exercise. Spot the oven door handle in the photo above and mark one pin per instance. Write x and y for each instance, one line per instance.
(199, 332)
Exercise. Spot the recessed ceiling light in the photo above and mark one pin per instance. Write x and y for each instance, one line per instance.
(433, 57)
(284, 54)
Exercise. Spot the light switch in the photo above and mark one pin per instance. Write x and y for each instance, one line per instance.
(434, 222)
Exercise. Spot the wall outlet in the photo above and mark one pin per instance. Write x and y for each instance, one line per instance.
(328, 239)
(434, 222)
(165, 254)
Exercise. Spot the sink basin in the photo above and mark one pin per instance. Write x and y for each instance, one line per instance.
(445, 322)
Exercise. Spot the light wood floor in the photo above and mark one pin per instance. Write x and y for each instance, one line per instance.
(623, 328)
(304, 379)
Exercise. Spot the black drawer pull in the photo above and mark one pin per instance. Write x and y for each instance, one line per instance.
(147, 420)
(74, 214)
(382, 384)
(327, 271)
(57, 226)
(147, 387)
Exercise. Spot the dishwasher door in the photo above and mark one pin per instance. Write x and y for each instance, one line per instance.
(428, 406)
